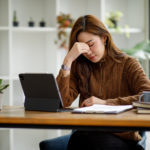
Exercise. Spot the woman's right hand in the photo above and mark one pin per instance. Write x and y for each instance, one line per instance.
(77, 49)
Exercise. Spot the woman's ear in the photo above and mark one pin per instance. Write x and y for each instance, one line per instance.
(104, 38)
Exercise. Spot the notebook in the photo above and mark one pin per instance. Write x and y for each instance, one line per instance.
(41, 92)
(107, 109)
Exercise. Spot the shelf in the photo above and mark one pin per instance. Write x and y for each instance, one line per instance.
(54, 29)
(123, 30)
(4, 77)
(33, 29)
(3, 28)
(15, 77)
(37, 29)
(68, 30)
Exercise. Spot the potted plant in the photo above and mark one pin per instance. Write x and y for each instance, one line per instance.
(113, 18)
(15, 20)
(42, 23)
(64, 21)
(2, 88)
(31, 22)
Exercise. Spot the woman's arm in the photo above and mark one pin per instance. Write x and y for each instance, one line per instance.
(68, 87)
(136, 80)
(67, 79)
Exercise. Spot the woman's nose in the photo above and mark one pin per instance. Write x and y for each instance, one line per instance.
(89, 52)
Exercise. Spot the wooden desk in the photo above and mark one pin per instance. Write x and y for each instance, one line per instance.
(16, 117)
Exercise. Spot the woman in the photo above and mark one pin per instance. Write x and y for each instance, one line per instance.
(97, 70)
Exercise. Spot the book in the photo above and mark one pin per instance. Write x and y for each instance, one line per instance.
(141, 104)
(108, 109)
(143, 110)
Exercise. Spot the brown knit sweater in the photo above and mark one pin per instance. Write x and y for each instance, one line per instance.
(119, 83)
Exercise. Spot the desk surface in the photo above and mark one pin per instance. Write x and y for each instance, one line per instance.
(15, 116)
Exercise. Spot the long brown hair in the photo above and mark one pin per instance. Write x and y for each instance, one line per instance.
(84, 67)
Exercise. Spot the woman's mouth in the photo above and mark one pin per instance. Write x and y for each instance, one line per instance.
(92, 57)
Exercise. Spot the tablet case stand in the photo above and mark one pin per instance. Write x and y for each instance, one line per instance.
(42, 104)
(41, 92)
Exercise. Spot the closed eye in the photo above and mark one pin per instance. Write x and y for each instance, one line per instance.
(90, 45)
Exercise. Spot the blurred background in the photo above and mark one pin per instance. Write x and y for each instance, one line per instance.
(34, 38)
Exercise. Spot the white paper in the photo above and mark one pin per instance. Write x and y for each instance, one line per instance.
(96, 108)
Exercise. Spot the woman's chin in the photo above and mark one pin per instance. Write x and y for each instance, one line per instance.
(95, 60)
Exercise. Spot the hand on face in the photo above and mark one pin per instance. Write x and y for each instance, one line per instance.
(78, 49)
(92, 100)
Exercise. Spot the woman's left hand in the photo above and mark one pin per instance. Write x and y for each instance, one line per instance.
(92, 100)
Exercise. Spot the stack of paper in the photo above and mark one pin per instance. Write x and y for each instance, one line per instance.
(96, 108)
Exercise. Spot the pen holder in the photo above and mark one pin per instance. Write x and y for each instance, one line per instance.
(145, 96)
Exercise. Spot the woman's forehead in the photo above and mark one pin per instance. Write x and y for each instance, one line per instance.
(86, 37)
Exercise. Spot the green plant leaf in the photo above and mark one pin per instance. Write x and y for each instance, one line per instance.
(142, 46)
(2, 87)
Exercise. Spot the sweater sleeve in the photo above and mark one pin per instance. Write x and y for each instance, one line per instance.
(68, 87)
(136, 80)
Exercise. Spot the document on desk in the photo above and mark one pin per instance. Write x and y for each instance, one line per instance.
(108, 109)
